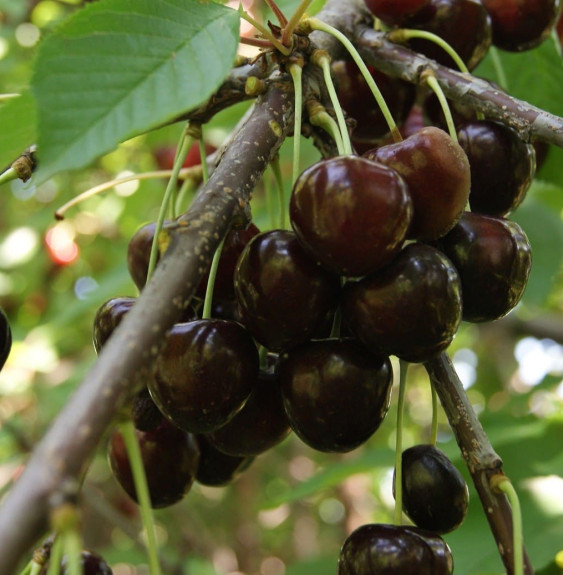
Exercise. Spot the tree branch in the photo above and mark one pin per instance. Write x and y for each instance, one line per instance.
(481, 459)
(60, 459)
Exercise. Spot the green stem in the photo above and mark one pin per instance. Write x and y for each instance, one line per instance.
(499, 68)
(437, 89)
(203, 158)
(208, 302)
(282, 20)
(403, 366)
(73, 547)
(35, 568)
(186, 188)
(142, 490)
(405, 34)
(434, 432)
(27, 569)
(8, 176)
(507, 488)
(276, 169)
(316, 24)
(296, 74)
(264, 31)
(269, 187)
(263, 356)
(324, 62)
(185, 144)
(294, 21)
(56, 556)
(324, 120)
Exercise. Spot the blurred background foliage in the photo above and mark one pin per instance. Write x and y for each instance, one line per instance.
(291, 511)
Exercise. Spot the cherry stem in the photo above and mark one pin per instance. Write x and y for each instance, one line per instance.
(428, 77)
(73, 547)
(270, 203)
(434, 432)
(56, 556)
(277, 12)
(27, 569)
(403, 367)
(34, 568)
(316, 24)
(208, 302)
(505, 485)
(324, 62)
(9, 175)
(499, 68)
(186, 141)
(294, 21)
(203, 158)
(296, 74)
(266, 44)
(186, 188)
(127, 430)
(321, 118)
(276, 170)
(264, 31)
(263, 356)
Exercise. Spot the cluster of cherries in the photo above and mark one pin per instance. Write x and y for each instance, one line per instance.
(382, 259)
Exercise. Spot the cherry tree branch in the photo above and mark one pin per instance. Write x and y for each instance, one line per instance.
(58, 462)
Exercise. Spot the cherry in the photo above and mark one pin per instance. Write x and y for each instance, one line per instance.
(350, 214)
(502, 166)
(435, 495)
(521, 24)
(464, 24)
(91, 563)
(164, 156)
(395, 311)
(5, 338)
(383, 549)
(357, 99)
(145, 414)
(273, 278)
(108, 317)
(336, 393)
(217, 468)
(204, 374)
(493, 258)
(259, 425)
(437, 173)
(170, 458)
(395, 12)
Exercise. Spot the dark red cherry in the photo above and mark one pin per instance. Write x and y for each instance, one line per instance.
(170, 458)
(464, 24)
(380, 549)
(502, 166)
(91, 563)
(336, 393)
(435, 495)
(521, 24)
(217, 468)
(144, 413)
(438, 177)
(350, 214)
(395, 310)
(359, 102)
(283, 295)
(5, 338)
(395, 12)
(259, 425)
(493, 258)
(204, 374)
(108, 317)
(164, 156)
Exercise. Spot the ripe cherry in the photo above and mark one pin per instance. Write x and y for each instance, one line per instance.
(493, 258)
(273, 278)
(394, 311)
(204, 374)
(350, 214)
(394, 12)
(435, 495)
(217, 468)
(108, 317)
(170, 458)
(437, 173)
(91, 563)
(394, 550)
(336, 393)
(5, 338)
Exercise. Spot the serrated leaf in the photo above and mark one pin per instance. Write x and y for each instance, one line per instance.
(121, 67)
(18, 121)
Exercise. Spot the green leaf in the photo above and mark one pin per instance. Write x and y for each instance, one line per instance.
(119, 68)
(18, 120)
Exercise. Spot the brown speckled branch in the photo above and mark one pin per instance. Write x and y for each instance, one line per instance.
(60, 458)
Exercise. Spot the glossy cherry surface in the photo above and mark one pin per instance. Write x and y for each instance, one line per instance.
(108, 317)
(411, 308)
(335, 392)
(435, 495)
(170, 458)
(350, 214)
(91, 563)
(395, 12)
(521, 24)
(283, 295)
(204, 374)
(437, 173)
(144, 413)
(217, 468)
(493, 258)
(502, 166)
(259, 425)
(5, 338)
(381, 549)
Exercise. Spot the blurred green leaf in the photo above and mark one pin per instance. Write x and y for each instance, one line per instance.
(18, 121)
(117, 69)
